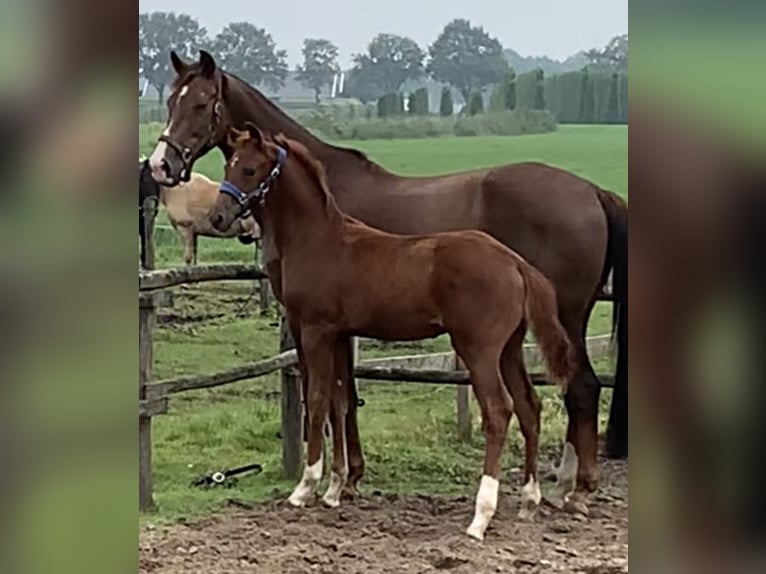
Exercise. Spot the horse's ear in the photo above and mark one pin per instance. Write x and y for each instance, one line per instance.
(206, 64)
(178, 64)
(233, 136)
(255, 134)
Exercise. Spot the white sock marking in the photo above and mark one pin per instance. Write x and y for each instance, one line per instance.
(332, 496)
(311, 477)
(486, 504)
(531, 492)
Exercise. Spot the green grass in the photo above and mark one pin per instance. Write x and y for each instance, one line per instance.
(408, 430)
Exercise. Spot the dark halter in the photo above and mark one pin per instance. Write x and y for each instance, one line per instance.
(187, 154)
(259, 193)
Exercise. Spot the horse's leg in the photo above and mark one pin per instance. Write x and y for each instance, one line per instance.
(578, 473)
(527, 406)
(318, 346)
(354, 445)
(338, 412)
(187, 235)
(483, 363)
(195, 237)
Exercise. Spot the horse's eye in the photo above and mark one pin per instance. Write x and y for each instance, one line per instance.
(200, 107)
(249, 172)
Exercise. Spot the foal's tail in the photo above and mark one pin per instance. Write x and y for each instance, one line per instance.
(541, 312)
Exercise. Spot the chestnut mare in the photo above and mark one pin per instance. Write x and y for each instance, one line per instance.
(342, 278)
(571, 230)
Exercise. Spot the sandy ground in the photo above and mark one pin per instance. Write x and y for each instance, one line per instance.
(387, 533)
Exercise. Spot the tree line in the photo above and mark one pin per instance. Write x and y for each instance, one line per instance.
(464, 57)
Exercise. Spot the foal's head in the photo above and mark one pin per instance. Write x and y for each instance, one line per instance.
(253, 168)
(195, 119)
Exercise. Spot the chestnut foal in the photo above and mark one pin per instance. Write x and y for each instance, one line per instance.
(341, 278)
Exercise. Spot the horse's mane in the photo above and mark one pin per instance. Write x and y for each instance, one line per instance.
(194, 69)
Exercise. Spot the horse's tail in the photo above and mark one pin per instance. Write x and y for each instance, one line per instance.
(541, 312)
(616, 210)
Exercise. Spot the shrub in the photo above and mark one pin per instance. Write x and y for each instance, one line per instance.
(446, 106)
(409, 127)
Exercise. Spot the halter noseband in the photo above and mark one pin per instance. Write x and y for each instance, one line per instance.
(259, 193)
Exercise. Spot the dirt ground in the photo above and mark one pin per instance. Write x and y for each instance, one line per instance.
(386, 533)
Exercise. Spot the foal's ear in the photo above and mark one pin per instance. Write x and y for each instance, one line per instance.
(255, 134)
(206, 63)
(178, 64)
(233, 136)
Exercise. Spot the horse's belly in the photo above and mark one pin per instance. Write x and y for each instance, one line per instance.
(394, 322)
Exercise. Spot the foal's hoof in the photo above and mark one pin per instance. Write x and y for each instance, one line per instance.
(331, 501)
(475, 532)
(575, 505)
(297, 500)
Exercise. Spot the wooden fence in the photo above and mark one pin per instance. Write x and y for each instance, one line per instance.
(439, 368)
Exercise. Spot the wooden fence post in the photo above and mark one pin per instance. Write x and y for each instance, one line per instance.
(145, 357)
(146, 310)
(463, 406)
(292, 411)
(264, 285)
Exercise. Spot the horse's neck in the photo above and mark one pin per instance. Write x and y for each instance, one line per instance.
(304, 218)
(245, 103)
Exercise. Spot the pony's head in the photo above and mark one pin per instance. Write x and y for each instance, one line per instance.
(195, 119)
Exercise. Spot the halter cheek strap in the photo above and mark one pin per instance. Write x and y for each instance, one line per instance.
(259, 193)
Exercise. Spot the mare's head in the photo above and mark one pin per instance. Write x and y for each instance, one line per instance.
(147, 186)
(254, 167)
(196, 119)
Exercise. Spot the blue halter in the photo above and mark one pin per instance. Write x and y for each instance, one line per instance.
(244, 199)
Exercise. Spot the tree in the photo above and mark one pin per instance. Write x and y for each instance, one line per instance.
(613, 104)
(418, 105)
(587, 100)
(320, 64)
(466, 57)
(158, 34)
(250, 53)
(446, 107)
(390, 61)
(476, 104)
(539, 97)
(613, 57)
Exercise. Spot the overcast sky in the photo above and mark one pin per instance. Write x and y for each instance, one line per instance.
(556, 28)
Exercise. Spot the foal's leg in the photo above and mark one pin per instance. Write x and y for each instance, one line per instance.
(338, 411)
(318, 347)
(527, 406)
(496, 410)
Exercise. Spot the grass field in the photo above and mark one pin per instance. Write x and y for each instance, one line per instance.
(408, 431)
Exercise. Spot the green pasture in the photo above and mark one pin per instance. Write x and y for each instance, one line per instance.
(408, 430)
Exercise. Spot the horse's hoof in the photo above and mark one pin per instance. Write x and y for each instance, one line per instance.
(331, 502)
(350, 493)
(297, 501)
(475, 532)
(527, 514)
(574, 505)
